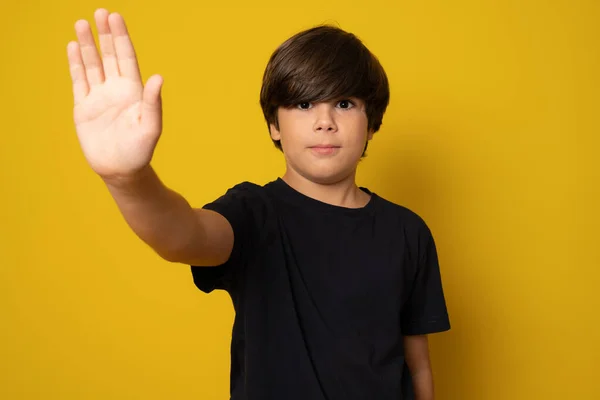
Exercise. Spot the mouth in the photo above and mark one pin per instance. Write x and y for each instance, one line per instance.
(324, 149)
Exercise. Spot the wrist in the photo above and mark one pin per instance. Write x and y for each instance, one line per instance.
(133, 180)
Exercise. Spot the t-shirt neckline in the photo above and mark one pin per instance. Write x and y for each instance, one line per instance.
(289, 194)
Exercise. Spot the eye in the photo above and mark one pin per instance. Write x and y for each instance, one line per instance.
(304, 105)
(346, 104)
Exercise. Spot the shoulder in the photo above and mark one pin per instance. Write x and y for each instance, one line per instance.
(408, 226)
(245, 201)
(402, 215)
(244, 191)
(245, 187)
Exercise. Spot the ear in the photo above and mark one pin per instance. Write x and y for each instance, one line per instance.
(275, 134)
(370, 134)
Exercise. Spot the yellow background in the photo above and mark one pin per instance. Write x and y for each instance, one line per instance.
(491, 135)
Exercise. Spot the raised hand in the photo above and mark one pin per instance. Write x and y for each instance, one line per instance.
(118, 120)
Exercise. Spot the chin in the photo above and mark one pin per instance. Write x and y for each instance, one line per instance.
(324, 171)
(325, 176)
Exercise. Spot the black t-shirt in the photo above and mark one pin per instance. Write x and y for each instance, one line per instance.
(323, 294)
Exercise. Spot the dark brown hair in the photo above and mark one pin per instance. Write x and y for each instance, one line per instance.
(323, 63)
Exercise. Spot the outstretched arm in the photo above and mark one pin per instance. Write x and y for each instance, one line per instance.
(118, 121)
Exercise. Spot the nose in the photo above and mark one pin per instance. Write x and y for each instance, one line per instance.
(325, 121)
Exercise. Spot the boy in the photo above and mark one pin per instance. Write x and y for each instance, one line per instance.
(334, 288)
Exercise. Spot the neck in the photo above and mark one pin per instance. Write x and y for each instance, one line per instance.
(342, 192)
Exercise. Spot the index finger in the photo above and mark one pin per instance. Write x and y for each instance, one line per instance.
(77, 70)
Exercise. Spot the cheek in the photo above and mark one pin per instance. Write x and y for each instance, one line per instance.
(295, 134)
(290, 143)
(359, 133)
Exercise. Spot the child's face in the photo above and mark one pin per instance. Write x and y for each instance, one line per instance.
(323, 141)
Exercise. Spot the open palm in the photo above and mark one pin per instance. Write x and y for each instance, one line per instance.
(118, 120)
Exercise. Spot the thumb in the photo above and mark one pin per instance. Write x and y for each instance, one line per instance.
(151, 118)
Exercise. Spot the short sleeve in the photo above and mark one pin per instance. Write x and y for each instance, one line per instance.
(425, 309)
(239, 206)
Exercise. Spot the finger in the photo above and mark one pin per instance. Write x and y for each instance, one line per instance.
(89, 53)
(77, 70)
(126, 57)
(151, 118)
(109, 57)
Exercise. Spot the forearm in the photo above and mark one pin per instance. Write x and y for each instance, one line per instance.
(416, 349)
(423, 384)
(159, 216)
